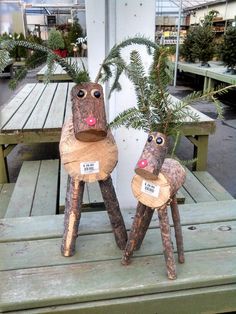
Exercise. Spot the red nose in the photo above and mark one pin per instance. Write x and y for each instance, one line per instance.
(142, 163)
(91, 121)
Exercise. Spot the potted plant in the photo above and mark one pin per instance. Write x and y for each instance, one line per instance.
(228, 51)
(56, 43)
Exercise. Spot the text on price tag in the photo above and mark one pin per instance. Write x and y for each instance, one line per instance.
(150, 188)
(89, 167)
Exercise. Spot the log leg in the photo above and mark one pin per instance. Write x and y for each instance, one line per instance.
(146, 218)
(137, 232)
(114, 213)
(166, 241)
(74, 197)
(178, 229)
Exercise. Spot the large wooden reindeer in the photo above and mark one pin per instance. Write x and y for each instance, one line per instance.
(88, 153)
(155, 185)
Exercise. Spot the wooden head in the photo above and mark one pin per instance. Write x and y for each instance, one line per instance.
(152, 157)
(88, 111)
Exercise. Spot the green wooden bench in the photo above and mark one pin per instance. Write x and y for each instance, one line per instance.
(35, 278)
(41, 187)
(35, 191)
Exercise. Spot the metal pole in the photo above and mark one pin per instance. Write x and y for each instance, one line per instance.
(177, 43)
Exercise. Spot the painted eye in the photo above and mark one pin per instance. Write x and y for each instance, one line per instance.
(150, 138)
(81, 93)
(96, 94)
(159, 140)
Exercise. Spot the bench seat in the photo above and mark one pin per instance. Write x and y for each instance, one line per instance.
(35, 191)
(94, 281)
(41, 188)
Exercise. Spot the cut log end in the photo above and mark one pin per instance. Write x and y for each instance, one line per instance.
(146, 174)
(92, 135)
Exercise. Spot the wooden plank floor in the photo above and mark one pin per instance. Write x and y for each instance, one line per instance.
(35, 278)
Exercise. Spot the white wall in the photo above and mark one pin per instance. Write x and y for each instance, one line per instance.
(110, 22)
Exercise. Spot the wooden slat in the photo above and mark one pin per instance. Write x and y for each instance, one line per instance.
(39, 115)
(56, 113)
(181, 301)
(68, 112)
(43, 227)
(197, 191)
(187, 198)
(66, 284)
(45, 198)
(9, 110)
(18, 121)
(34, 253)
(213, 186)
(23, 194)
(5, 195)
(94, 193)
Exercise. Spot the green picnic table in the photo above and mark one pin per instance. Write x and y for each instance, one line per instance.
(59, 74)
(35, 278)
(37, 112)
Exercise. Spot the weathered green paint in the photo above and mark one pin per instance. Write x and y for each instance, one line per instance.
(202, 300)
(43, 227)
(35, 253)
(215, 71)
(197, 191)
(66, 284)
(55, 115)
(213, 186)
(3, 166)
(45, 195)
(23, 195)
(38, 117)
(18, 120)
(5, 195)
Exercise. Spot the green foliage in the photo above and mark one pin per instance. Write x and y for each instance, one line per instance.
(186, 50)
(156, 108)
(75, 73)
(115, 64)
(55, 40)
(4, 59)
(75, 31)
(199, 42)
(203, 46)
(228, 49)
(19, 75)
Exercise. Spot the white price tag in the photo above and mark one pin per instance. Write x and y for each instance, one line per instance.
(89, 167)
(150, 188)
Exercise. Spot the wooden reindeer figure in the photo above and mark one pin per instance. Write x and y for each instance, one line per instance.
(155, 185)
(89, 153)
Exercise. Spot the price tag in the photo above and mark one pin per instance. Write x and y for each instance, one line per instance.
(150, 188)
(89, 167)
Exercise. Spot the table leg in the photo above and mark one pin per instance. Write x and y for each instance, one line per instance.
(200, 152)
(3, 166)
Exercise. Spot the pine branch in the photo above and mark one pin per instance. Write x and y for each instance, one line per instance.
(4, 59)
(72, 70)
(131, 118)
(116, 55)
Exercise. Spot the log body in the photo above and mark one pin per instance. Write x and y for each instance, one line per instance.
(156, 193)
(88, 110)
(87, 161)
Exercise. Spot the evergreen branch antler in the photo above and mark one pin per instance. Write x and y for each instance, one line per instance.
(115, 60)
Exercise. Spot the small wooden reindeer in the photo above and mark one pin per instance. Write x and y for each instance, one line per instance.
(155, 185)
(88, 153)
